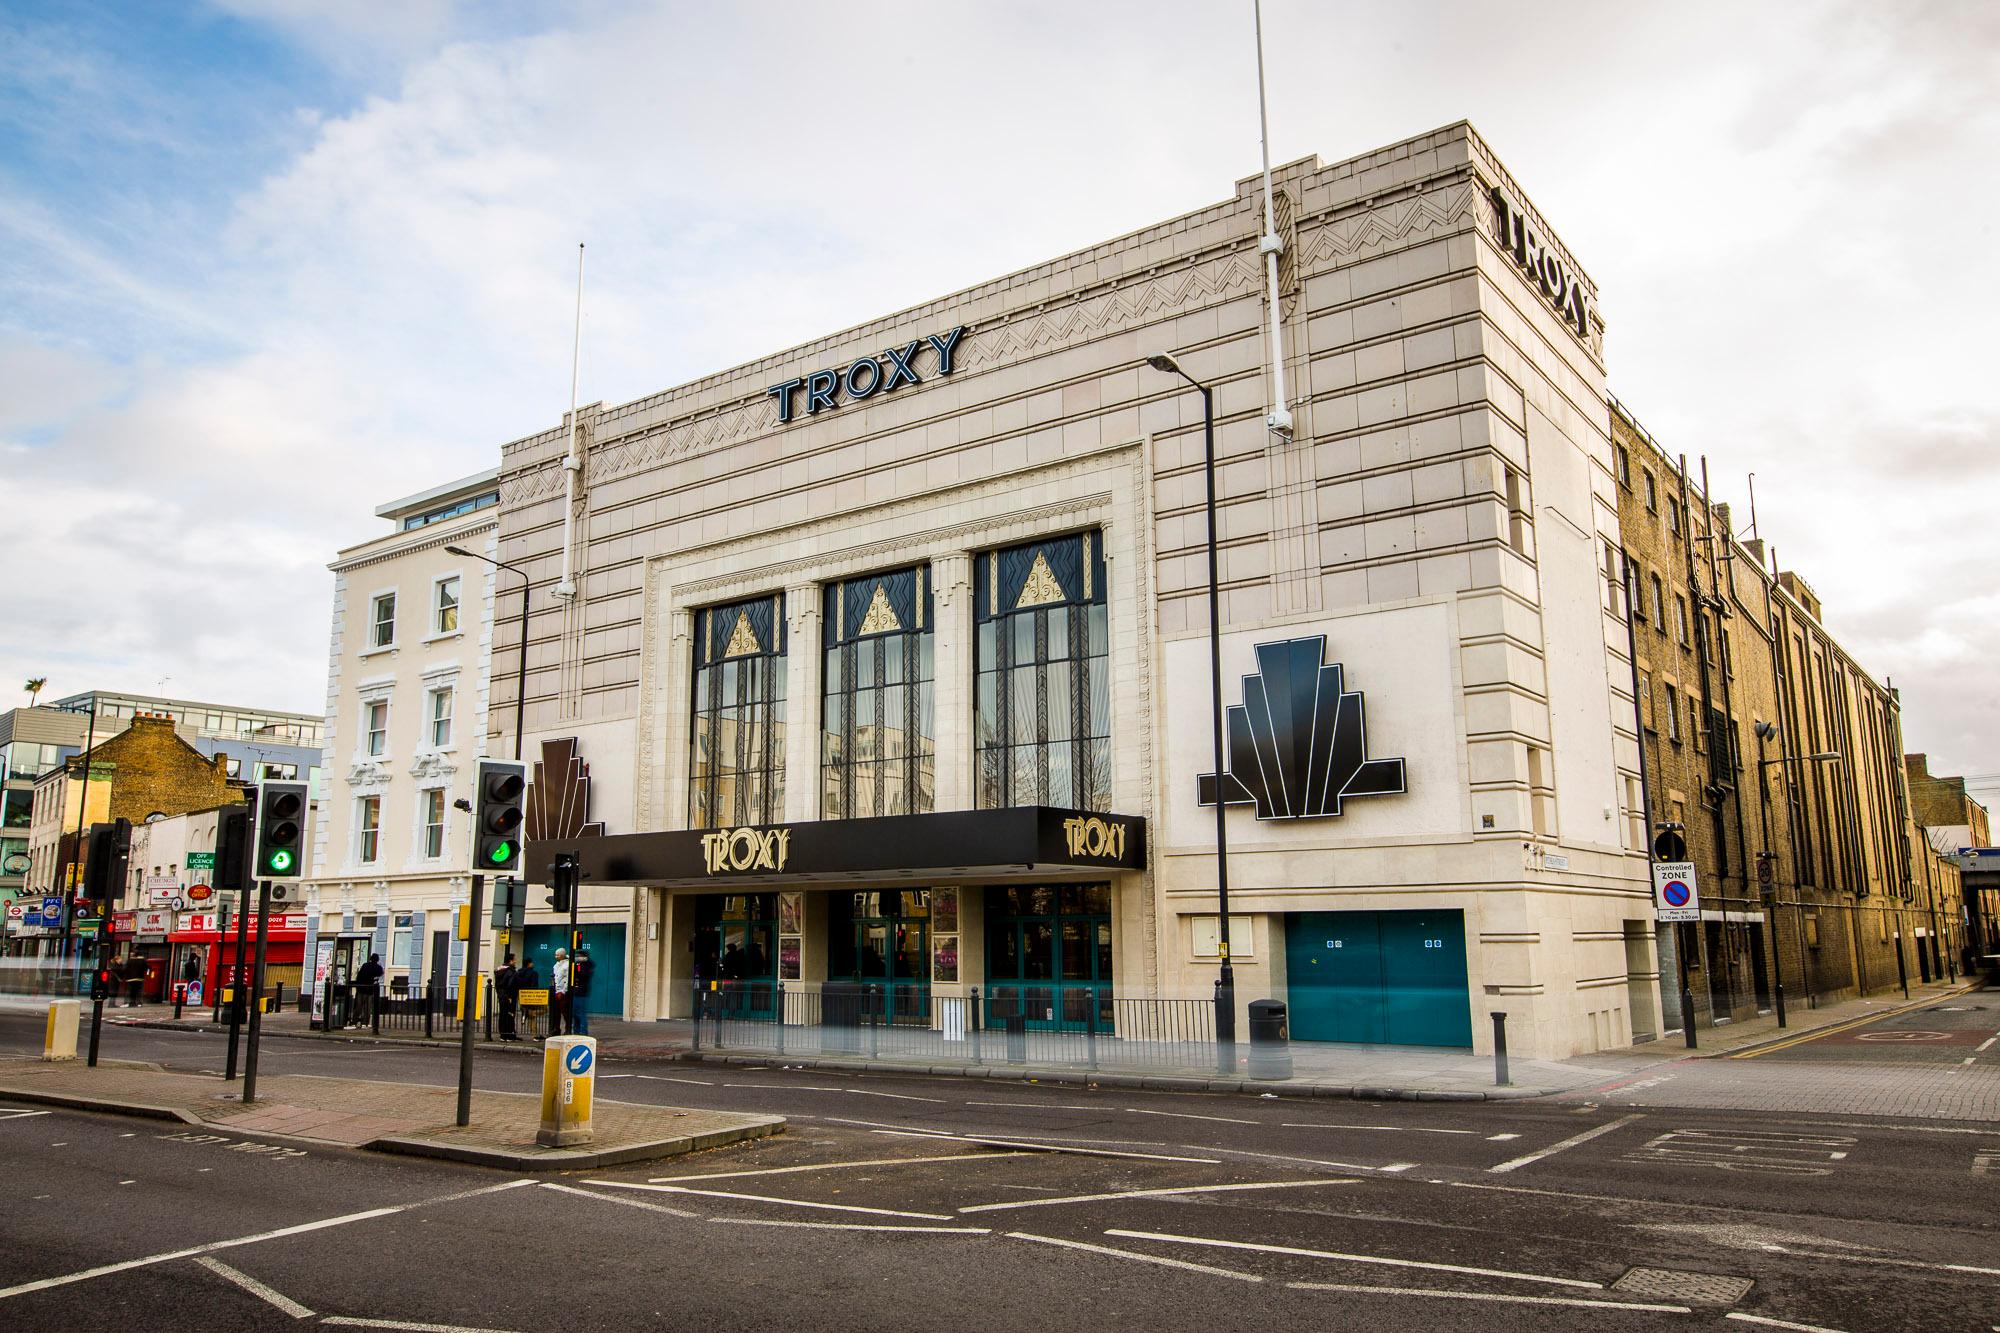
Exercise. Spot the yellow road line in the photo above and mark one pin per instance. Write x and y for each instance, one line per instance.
(1835, 1029)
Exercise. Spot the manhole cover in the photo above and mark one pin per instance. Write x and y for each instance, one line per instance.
(1696, 1288)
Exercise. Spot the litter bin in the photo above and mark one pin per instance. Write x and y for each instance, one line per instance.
(1270, 1042)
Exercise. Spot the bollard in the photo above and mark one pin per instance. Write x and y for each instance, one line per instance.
(694, 1022)
(1500, 1079)
(781, 1017)
(569, 1075)
(59, 1038)
(1090, 1029)
(180, 994)
(489, 1009)
(874, 1021)
(973, 1025)
(430, 1011)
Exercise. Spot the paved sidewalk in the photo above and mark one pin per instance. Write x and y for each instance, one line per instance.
(390, 1117)
(1319, 1069)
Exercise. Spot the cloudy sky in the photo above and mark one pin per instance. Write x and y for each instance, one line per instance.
(265, 264)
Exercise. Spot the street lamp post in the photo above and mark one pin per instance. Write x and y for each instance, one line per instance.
(1225, 984)
(521, 671)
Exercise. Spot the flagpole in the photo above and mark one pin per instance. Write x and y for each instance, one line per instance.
(1272, 245)
(573, 460)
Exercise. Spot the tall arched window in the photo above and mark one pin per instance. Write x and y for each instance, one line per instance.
(1043, 686)
(878, 753)
(737, 773)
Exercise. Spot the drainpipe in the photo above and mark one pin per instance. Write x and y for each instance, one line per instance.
(1272, 245)
(573, 461)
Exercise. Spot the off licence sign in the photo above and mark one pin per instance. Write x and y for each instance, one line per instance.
(1675, 897)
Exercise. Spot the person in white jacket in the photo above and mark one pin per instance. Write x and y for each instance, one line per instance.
(559, 1021)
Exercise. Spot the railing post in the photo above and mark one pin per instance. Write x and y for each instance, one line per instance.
(1090, 1029)
(781, 1017)
(1500, 1079)
(694, 990)
(489, 1009)
(430, 1012)
(874, 1021)
(180, 994)
(375, 1010)
(975, 1023)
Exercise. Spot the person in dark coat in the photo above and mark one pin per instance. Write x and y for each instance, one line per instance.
(367, 984)
(527, 977)
(506, 992)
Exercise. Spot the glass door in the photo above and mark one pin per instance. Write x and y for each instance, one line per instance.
(1048, 955)
(736, 948)
(888, 934)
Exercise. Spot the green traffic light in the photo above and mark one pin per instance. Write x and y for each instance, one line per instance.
(502, 853)
(281, 859)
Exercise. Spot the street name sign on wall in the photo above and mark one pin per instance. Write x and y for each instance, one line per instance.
(1675, 897)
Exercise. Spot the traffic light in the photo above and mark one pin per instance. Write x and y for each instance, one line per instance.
(107, 858)
(496, 843)
(281, 831)
(563, 875)
(100, 985)
(232, 847)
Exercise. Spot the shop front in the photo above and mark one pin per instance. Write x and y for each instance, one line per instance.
(875, 919)
(201, 952)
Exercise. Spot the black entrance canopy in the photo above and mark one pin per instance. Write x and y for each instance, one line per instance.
(950, 842)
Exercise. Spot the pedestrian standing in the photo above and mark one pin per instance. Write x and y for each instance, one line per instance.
(367, 982)
(559, 994)
(508, 996)
(580, 969)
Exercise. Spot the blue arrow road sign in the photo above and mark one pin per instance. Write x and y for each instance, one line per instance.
(578, 1060)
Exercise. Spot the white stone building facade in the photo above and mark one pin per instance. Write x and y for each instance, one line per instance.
(1006, 515)
(406, 721)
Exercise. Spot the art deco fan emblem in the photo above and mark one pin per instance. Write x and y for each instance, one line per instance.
(1297, 745)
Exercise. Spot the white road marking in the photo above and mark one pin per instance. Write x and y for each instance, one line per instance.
(1159, 1259)
(767, 1198)
(128, 1182)
(1390, 1169)
(1568, 1143)
(1154, 1194)
(255, 1288)
(1501, 1138)
(1387, 1129)
(1037, 1106)
(1988, 1042)
(407, 1325)
(698, 1082)
(127, 1265)
(849, 1226)
(1490, 1296)
(898, 1096)
(1184, 1115)
(13, 1113)
(1984, 1162)
(845, 1166)
(1342, 1257)
(614, 1198)
(1757, 1151)
(1778, 1323)
(1040, 1145)
(1883, 1259)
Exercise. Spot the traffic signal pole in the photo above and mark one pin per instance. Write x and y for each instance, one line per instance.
(236, 985)
(468, 1004)
(257, 990)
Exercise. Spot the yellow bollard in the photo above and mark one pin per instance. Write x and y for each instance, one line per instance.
(59, 1039)
(569, 1077)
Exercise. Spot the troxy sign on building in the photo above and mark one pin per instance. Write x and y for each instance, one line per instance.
(866, 376)
(1541, 263)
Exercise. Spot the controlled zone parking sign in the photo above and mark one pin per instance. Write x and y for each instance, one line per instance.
(1675, 895)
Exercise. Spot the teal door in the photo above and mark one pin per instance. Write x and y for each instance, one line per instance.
(1395, 978)
(606, 945)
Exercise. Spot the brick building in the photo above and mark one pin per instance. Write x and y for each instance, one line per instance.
(145, 770)
(1777, 753)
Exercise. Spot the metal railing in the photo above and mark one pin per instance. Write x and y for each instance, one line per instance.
(1081, 1026)
(428, 1011)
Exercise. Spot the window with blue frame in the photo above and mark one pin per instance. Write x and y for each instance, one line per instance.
(1042, 689)
(878, 752)
(737, 769)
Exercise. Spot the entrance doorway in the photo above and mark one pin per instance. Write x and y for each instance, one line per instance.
(1048, 955)
(1394, 978)
(882, 939)
(736, 944)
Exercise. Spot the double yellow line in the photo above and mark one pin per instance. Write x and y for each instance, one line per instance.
(1835, 1029)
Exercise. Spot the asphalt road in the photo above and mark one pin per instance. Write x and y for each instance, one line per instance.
(919, 1203)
